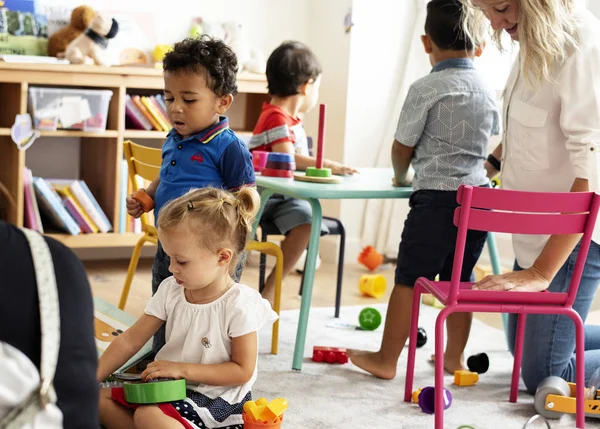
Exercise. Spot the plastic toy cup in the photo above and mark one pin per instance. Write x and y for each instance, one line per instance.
(250, 424)
(259, 159)
(372, 285)
(427, 399)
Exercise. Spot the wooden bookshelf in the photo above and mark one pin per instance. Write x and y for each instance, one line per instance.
(100, 152)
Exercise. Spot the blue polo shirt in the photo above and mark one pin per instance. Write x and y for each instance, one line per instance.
(214, 157)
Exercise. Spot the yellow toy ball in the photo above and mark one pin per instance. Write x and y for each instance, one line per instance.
(159, 52)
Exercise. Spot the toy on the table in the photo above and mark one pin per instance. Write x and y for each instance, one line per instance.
(154, 391)
(279, 164)
(329, 354)
(373, 285)
(478, 363)
(369, 319)
(263, 413)
(318, 173)
(463, 378)
(426, 399)
(259, 160)
(144, 199)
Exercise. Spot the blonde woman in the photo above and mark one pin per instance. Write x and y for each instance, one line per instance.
(550, 144)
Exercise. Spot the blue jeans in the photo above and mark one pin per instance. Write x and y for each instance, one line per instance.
(549, 344)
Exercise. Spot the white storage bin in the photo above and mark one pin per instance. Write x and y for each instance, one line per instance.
(69, 109)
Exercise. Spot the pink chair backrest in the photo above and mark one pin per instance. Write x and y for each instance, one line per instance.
(520, 212)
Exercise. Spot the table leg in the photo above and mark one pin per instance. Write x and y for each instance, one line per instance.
(264, 197)
(307, 286)
(496, 269)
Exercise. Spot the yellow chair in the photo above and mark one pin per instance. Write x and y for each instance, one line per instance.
(145, 162)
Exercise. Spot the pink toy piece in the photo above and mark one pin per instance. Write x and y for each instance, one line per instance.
(517, 212)
(259, 159)
(322, 110)
(329, 354)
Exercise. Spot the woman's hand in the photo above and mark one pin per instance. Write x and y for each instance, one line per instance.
(529, 280)
(164, 369)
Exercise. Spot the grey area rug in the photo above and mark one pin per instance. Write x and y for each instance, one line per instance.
(327, 396)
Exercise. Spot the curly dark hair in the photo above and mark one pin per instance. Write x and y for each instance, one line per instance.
(443, 25)
(208, 56)
(290, 66)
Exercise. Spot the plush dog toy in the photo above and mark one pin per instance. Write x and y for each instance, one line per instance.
(81, 17)
(90, 47)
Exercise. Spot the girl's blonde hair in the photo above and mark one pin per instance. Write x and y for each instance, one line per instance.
(547, 34)
(217, 218)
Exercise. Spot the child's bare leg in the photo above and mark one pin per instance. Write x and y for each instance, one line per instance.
(458, 326)
(383, 363)
(113, 415)
(292, 247)
(152, 417)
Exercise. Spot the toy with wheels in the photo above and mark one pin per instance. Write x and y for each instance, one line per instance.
(555, 397)
(154, 391)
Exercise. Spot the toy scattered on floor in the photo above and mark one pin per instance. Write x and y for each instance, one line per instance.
(465, 378)
(373, 285)
(533, 419)
(154, 391)
(144, 199)
(555, 397)
(90, 47)
(495, 182)
(372, 259)
(279, 164)
(318, 173)
(421, 337)
(263, 413)
(329, 354)
(478, 363)
(369, 319)
(426, 399)
(415, 396)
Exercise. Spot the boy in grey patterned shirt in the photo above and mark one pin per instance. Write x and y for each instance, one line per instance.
(443, 130)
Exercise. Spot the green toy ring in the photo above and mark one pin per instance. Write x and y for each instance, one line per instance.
(369, 319)
(153, 392)
(318, 172)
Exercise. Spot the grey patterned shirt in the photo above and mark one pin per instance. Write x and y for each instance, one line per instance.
(448, 117)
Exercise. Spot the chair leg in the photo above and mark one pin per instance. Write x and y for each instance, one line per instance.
(579, 368)
(262, 265)
(412, 343)
(516, 374)
(303, 274)
(135, 257)
(439, 367)
(340, 273)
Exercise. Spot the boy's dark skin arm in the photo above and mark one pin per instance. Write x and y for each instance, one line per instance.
(489, 168)
(401, 158)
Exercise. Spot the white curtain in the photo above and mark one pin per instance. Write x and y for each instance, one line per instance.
(384, 219)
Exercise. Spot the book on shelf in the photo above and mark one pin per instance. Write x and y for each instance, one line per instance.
(146, 113)
(63, 204)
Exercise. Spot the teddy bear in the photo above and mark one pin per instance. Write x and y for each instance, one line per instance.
(90, 46)
(81, 17)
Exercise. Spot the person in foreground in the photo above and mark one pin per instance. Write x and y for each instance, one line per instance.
(551, 145)
(443, 160)
(211, 321)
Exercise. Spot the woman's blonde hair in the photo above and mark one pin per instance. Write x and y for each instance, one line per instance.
(217, 218)
(547, 34)
(6, 203)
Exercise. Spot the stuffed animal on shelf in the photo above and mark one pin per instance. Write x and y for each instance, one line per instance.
(90, 47)
(81, 17)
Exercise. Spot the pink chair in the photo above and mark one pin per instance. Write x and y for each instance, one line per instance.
(516, 212)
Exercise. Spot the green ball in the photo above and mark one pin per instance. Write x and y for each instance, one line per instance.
(369, 319)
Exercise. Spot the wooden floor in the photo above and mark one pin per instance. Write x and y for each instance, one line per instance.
(107, 278)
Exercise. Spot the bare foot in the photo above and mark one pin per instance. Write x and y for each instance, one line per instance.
(452, 364)
(373, 363)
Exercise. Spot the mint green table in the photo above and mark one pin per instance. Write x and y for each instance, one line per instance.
(371, 183)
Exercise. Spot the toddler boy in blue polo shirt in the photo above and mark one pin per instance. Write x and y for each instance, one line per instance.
(444, 129)
(201, 150)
